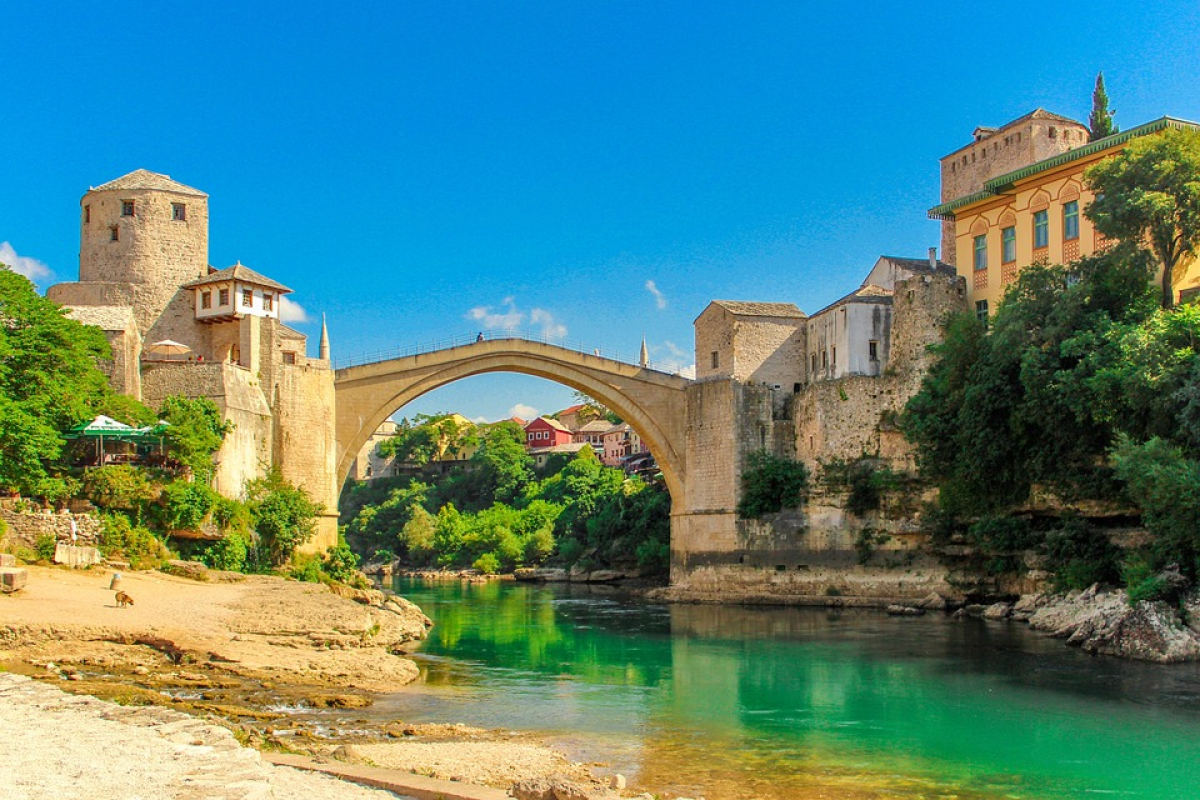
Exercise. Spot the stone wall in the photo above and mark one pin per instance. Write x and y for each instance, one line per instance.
(750, 348)
(26, 528)
(239, 395)
(305, 443)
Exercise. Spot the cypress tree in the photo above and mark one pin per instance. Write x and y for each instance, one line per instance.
(1100, 121)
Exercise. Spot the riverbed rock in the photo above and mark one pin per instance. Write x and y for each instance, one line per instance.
(192, 570)
(605, 576)
(1027, 605)
(933, 602)
(556, 788)
(1103, 622)
(997, 611)
(897, 610)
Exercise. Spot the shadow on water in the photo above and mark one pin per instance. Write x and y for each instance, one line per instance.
(793, 702)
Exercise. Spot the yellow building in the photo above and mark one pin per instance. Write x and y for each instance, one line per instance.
(1031, 214)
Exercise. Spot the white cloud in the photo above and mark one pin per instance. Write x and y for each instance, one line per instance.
(659, 299)
(508, 320)
(511, 318)
(31, 268)
(675, 351)
(524, 412)
(551, 328)
(291, 311)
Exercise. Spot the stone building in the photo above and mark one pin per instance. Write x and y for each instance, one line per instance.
(144, 278)
(994, 151)
(1026, 204)
(852, 336)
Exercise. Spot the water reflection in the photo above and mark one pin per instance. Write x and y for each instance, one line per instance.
(765, 702)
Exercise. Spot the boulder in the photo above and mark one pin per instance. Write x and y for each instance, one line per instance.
(605, 576)
(13, 579)
(525, 574)
(897, 610)
(551, 575)
(192, 570)
(933, 602)
(997, 611)
(8, 560)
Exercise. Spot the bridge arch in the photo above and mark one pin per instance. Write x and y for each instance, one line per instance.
(653, 403)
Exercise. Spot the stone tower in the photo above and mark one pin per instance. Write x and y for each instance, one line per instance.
(143, 236)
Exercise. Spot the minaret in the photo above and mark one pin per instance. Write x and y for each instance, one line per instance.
(323, 352)
(644, 360)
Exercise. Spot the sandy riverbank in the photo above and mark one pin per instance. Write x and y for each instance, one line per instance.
(241, 651)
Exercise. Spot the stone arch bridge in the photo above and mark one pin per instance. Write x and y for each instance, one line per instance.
(654, 403)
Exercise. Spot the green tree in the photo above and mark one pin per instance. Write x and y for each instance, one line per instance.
(195, 431)
(501, 466)
(49, 381)
(283, 515)
(1150, 193)
(1100, 122)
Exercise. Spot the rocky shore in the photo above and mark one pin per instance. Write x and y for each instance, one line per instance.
(242, 654)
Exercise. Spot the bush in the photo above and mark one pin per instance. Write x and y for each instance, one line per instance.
(45, 546)
(341, 564)
(305, 567)
(487, 563)
(135, 544)
(570, 550)
(187, 504)
(1081, 555)
(770, 484)
(283, 515)
(230, 553)
(119, 486)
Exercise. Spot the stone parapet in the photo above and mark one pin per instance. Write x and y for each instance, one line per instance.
(26, 528)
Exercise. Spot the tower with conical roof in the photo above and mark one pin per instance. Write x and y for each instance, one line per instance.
(142, 236)
(644, 358)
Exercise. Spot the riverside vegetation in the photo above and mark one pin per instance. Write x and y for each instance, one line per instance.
(1084, 386)
(50, 381)
(495, 512)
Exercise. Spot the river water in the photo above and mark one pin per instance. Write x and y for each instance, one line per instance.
(730, 702)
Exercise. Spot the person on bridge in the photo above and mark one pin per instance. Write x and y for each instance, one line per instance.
(479, 336)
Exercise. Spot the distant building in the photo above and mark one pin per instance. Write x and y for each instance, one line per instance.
(370, 464)
(593, 434)
(546, 432)
(542, 455)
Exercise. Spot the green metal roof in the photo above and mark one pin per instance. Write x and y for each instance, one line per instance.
(1001, 183)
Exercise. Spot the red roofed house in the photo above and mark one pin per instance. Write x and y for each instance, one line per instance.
(545, 432)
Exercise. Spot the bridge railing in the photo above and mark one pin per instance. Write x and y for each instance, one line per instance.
(466, 339)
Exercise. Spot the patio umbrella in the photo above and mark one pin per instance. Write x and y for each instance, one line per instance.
(97, 429)
(168, 347)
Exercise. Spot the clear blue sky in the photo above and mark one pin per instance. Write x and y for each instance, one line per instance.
(401, 164)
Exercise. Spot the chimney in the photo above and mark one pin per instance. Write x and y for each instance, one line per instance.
(933, 258)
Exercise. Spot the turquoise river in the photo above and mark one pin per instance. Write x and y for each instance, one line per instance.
(730, 702)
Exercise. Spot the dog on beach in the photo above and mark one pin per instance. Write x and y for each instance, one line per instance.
(123, 600)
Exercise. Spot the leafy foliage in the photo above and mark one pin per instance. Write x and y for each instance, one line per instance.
(49, 381)
(1151, 192)
(770, 484)
(187, 504)
(495, 510)
(283, 515)
(119, 486)
(196, 431)
(428, 437)
(119, 538)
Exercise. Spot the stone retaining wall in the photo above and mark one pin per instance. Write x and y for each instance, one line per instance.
(26, 528)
